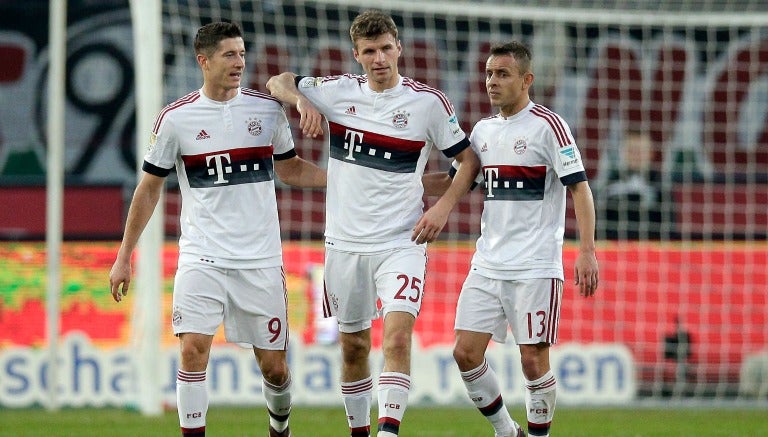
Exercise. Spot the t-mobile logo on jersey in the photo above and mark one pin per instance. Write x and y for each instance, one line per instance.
(491, 178)
(352, 141)
(219, 166)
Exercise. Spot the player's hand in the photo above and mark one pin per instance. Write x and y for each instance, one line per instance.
(119, 280)
(430, 225)
(586, 273)
(311, 122)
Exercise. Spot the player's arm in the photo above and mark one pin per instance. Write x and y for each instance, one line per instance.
(432, 222)
(586, 269)
(437, 183)
(283, 87)
(299, 172)
(143, 204)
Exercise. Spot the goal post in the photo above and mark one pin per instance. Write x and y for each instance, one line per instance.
(146, 324)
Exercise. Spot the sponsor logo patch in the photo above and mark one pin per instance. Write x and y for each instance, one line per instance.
(568, 157)
(152, 141)
(310, 82)
(453, 122)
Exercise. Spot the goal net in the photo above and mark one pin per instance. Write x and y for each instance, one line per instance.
(667, 101)
(668, 108)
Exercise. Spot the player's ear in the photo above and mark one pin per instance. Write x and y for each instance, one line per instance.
(527, 80)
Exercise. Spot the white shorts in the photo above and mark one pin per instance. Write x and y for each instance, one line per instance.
(360, 287)
(252, 304)
(530, 307)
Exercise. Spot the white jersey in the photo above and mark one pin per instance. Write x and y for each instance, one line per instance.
(379, 146)
(223, 156)
(526, 160)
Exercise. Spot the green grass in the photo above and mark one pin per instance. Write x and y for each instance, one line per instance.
(418, 422)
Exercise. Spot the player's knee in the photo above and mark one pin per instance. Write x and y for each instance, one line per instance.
(354, 348)
(276, 372)
(194, 357)
(398, 342)
(534, 362)
(466, 358)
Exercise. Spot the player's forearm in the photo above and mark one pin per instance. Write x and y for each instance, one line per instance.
(584, 208)
(469, 166)
(283, 88)
(141, 209)
(436, 184)
(300, 173)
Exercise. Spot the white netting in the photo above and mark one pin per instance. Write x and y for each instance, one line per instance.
(693, 84)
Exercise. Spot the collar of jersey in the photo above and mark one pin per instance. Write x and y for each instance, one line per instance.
(389, 91)
(218, 102)
(521, 113)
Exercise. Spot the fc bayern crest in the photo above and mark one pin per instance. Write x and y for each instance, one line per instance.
(254, 126)
(400, 119)
(520, 145)
(176, 316)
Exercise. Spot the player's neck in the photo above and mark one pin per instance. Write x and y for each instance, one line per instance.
(219, 94)
(380, 87)
(514, 109)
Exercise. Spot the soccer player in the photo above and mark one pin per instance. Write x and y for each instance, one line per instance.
(226, 143)
(528, 158)
(382, 127)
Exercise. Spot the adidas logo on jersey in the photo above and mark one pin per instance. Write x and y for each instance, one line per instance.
(203, 135)
(350, 111)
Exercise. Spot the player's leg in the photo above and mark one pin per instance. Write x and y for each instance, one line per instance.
(400, 288)
(191, 387)
(276, 388)
(480, 317)
(356, 381)
(535, 333)
(197, 313)
(540, 388)
(256, 313)
(395, 379)
(351, 296)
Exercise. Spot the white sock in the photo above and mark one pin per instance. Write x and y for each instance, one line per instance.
(393, 400)
(191, 400)
(278, 403)
(357, 404)
(484, 390)
(540, 397)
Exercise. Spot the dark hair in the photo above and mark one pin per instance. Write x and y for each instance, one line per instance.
(517, 50)
(370, 24)
(209, 36)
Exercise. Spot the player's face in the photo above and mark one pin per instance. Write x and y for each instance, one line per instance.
(224, 68)
(507, 88)
(378, 57)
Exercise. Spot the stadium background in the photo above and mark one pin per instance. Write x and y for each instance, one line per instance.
(683, 316)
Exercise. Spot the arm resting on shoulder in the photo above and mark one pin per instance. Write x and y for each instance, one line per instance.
(283, 88)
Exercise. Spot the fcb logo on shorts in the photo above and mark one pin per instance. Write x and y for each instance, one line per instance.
(176, 316)
(400, 119)
(254, 127)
